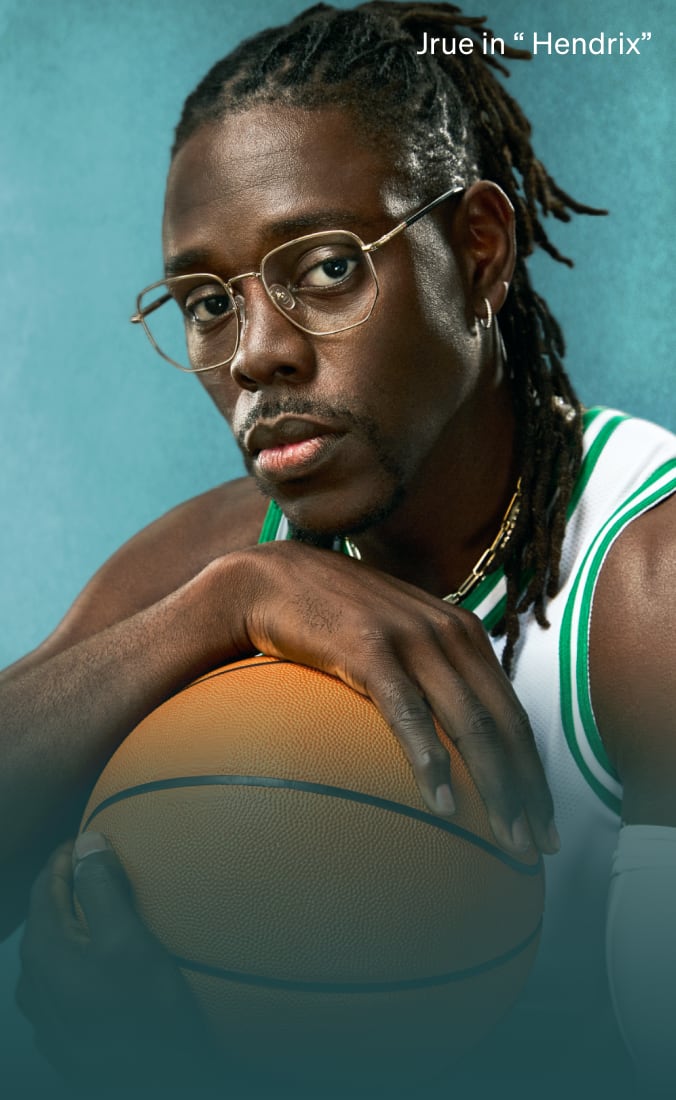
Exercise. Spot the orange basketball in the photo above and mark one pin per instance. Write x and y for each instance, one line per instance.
(278, 846)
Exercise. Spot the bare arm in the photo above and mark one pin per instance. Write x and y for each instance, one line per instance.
(144, 626)
(63, 719)
(632, 676)
(66, 708)
(632, 663)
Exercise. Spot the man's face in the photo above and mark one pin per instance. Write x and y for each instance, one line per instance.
(338, 429)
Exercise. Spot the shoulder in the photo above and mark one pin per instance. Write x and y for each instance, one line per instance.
(159, 559)
(632, 660)
(180, 543)
(173, 549)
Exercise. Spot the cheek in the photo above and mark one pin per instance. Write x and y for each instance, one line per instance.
(423, 294)
(443, 297)
(416, 350)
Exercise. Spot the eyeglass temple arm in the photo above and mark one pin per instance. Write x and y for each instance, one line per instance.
(137, 318)
(411, 219)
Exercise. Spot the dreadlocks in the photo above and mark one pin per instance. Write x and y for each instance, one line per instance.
(461, 125)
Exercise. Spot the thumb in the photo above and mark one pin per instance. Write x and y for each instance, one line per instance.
(102, 888)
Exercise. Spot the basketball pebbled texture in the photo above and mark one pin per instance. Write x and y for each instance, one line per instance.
(278, 846)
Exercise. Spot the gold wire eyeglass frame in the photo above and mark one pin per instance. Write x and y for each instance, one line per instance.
(139, 318)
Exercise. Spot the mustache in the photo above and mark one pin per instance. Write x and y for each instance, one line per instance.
(292, 406)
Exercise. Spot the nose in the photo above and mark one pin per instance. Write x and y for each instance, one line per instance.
(271, 349)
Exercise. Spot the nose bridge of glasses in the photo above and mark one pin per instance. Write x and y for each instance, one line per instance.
(278, 294)
(238, 278)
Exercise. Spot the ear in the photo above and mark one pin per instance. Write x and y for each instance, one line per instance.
(486, 244)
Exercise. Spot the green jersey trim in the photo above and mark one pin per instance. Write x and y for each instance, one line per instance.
(273, 518)
(603, 428)
(488, 600)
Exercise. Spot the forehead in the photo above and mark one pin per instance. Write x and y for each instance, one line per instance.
(256, 177)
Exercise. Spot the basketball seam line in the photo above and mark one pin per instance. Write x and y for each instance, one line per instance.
(238, 666)
(327, 791)
(360, 987)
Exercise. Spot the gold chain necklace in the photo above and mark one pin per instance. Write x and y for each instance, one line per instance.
(483, 565)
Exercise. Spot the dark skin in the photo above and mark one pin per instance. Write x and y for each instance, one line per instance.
(194, 591)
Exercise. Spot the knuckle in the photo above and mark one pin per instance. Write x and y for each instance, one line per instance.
(412, 724)
(432, 757)
(375, 640)
(451, 626)
(469, 622)
(408, 716)
(474, 627)
(479, 726)
(519, 729)
(461, 629)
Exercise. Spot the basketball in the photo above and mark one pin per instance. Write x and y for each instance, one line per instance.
(278, 846)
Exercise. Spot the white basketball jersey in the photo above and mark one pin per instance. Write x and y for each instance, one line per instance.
(628, 467)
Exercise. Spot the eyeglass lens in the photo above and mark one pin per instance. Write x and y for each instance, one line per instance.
(324, 283)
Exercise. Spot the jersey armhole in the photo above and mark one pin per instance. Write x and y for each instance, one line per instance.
(579, 723)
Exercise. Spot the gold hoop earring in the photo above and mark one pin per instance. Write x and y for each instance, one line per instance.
(488, 320)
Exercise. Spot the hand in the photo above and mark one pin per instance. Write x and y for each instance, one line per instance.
(417, 658)
(107, 1003)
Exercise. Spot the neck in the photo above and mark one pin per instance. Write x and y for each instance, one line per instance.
(454, 508)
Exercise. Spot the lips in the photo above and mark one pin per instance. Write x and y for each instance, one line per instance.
(284, 431)
(290, 444)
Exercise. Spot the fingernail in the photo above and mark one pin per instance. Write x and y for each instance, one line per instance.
(88, 843)
(521, 838)
(553, 838)
(444, 802)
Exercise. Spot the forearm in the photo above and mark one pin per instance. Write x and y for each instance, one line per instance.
(61, 721)
(641, 951)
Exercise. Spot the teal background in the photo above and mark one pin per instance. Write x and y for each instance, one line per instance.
(97, 435)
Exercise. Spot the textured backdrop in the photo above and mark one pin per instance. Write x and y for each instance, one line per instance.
(97, 435)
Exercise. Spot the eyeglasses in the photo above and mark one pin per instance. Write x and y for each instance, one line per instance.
(323, 283)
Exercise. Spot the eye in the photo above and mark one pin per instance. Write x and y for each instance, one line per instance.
(207, 303)
(327, 271)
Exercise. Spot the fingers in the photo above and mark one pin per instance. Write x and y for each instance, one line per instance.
(51, 904)
(52, 930)
(444, 666)
(497, 742)
(90, 868)
(103, 890)
(418, 658)
(479, 739)
(410, 719)
(530, 775)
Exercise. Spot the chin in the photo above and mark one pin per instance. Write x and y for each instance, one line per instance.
(303, 529)
(312, 538)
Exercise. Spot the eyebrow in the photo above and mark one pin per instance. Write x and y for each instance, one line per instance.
(285, 229)
(186, 261)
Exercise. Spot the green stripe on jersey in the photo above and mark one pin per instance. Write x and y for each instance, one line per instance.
(273, 518)
(604, 422)
(609, 423)
(574, 647)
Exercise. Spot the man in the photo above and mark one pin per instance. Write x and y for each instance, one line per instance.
(381, 408)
